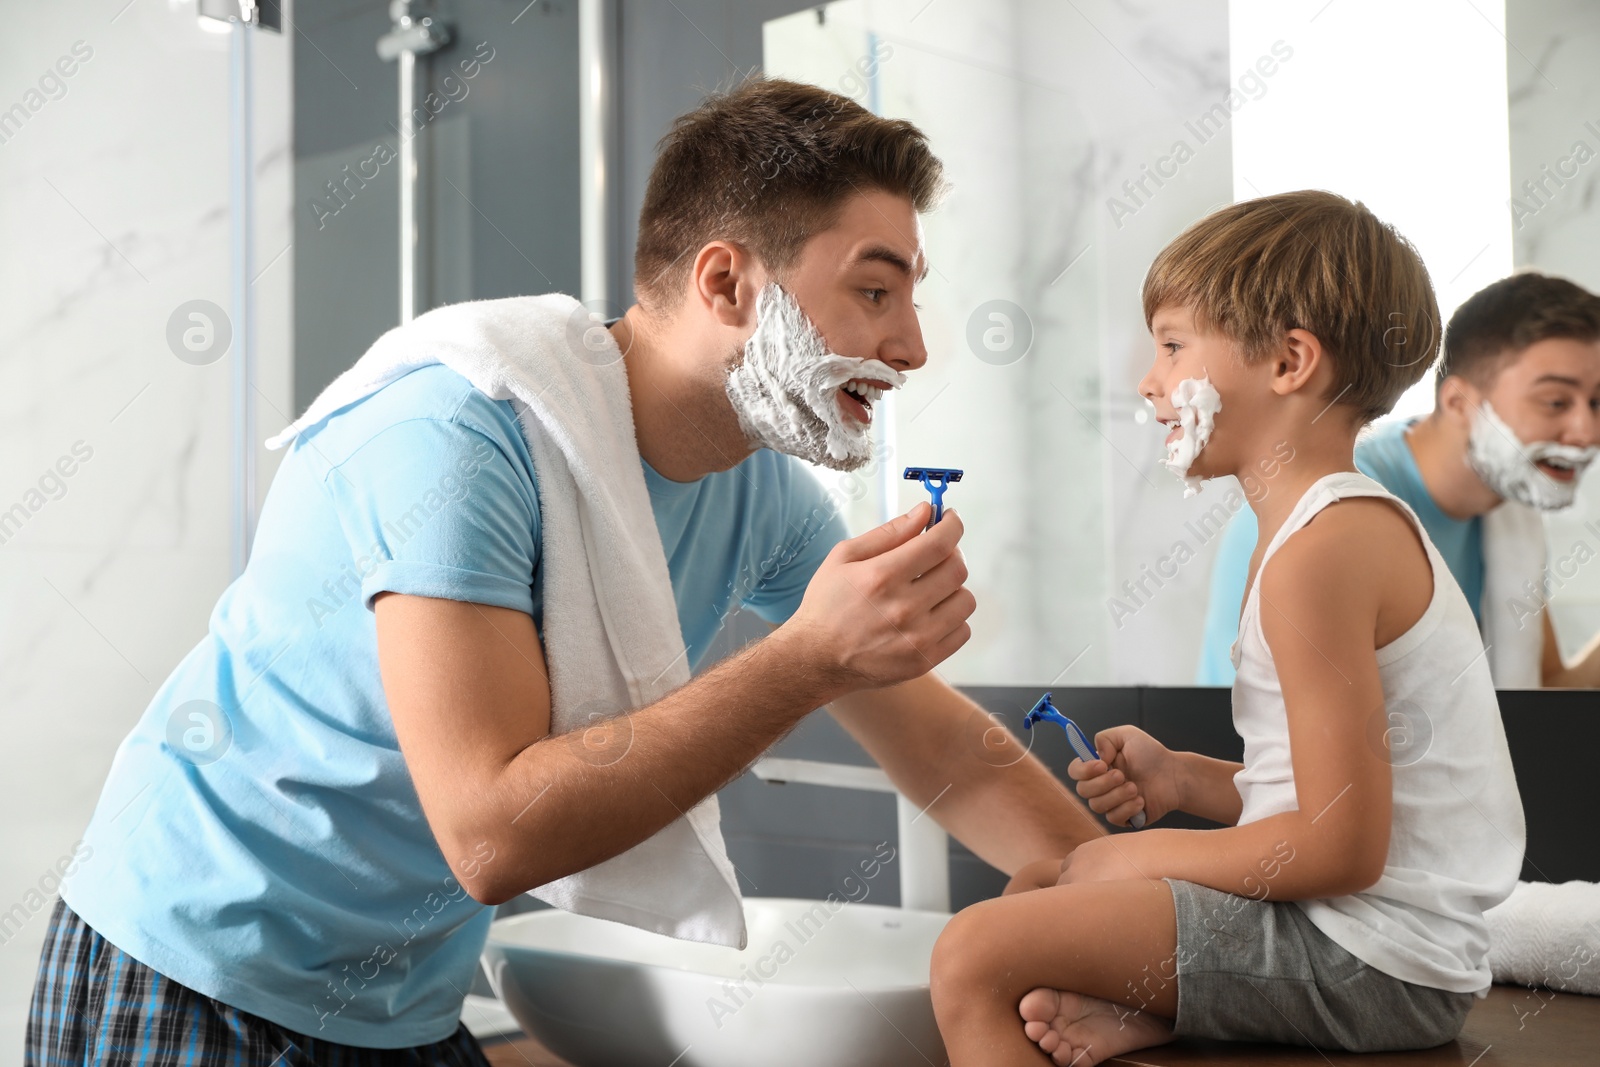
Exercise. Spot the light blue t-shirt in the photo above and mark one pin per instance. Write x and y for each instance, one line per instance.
(274, 855)
(1383, 456)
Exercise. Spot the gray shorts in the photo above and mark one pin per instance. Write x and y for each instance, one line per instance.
(1255, 970)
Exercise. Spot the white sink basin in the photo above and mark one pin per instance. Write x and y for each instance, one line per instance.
(845, 988)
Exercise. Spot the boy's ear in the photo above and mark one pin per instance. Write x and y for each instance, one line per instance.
(1296, 362)
(723, 281)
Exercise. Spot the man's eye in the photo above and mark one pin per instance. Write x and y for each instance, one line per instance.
(874, 295)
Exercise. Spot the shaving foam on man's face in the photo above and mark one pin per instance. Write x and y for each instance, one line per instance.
(1197, 402)
(794, 396)
(1513, 469)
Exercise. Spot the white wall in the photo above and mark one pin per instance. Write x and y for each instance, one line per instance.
(113, 212)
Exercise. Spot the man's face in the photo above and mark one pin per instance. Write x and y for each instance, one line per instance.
(854, 281)
(1551, 392)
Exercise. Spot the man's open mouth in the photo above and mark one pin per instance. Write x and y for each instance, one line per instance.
(1557, 469)
(858, 395)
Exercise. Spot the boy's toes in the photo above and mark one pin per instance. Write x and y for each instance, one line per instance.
(1040, 1006)
(1067, 1056)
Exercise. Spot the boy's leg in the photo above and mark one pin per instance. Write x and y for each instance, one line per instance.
(1103, 955)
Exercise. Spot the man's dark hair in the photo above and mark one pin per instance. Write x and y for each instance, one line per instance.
(767, 165)
(1502, 319)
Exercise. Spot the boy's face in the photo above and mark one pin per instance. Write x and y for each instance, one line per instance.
(1183, 351)
(1551, 393)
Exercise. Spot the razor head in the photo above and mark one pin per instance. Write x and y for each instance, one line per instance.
(946, 475)
(1044, 709)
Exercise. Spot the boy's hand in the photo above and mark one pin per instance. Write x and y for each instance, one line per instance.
(1134, 773)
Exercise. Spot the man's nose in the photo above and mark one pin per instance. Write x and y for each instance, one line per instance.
(1581, 428)
(904, 349)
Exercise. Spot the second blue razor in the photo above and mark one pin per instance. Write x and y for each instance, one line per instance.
(1045, 711)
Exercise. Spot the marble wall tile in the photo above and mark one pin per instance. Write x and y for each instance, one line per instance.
(113, 211)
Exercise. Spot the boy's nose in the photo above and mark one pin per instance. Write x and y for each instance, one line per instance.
(1149, 387)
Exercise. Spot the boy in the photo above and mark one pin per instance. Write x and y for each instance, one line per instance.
(1375, 815)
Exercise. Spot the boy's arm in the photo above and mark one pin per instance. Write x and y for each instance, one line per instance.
(1328, 596)
(1206, 786)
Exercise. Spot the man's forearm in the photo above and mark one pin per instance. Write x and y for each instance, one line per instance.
(572, 800)
(1017, 815)
(1582, 673)
(976, 779)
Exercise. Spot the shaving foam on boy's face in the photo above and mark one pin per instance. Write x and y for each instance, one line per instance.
(1512, 469)
(1197, 402)
(794, 396)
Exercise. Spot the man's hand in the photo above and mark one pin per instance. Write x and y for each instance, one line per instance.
(1134, 773)
(887, 606)
(1106, 860)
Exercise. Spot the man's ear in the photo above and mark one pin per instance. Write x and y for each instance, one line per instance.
(1296, 362)
(723, 281)
(1458, 400)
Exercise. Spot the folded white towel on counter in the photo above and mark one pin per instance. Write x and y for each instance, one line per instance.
(611, 631)
(1547, 935)
(1514, 556)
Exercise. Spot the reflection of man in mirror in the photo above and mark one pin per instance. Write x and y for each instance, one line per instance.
(1516, 421)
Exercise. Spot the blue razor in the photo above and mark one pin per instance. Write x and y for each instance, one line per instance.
(1046, 711)
(935, 480)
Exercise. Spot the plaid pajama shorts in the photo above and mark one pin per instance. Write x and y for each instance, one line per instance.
(95, 1004)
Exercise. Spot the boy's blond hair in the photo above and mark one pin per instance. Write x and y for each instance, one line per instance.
(1315, 261)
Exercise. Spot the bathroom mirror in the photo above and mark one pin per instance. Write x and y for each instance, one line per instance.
(1080, 138)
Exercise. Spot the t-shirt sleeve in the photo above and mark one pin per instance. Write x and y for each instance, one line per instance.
(814, 526)
(435, 508)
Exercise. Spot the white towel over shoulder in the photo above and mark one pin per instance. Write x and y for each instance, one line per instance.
(611, 631)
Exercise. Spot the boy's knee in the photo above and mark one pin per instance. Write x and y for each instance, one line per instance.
(963, 955)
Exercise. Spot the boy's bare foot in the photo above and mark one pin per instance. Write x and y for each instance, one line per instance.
(1076, 1030)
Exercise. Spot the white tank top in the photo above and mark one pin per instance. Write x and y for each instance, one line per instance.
(1456, 843)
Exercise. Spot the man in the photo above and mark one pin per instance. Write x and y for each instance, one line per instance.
(296, 846)
(1516, 422)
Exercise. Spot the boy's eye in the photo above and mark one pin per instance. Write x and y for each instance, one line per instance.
(1171, 347)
